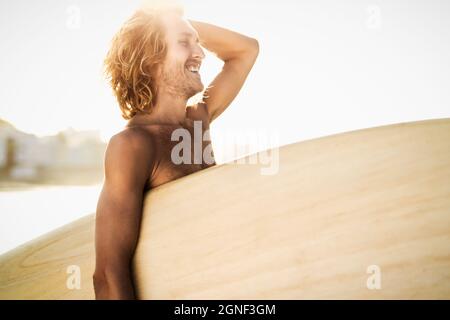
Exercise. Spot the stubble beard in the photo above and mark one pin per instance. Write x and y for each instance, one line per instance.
(177, 82)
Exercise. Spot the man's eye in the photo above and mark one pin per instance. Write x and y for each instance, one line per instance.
(185, 43)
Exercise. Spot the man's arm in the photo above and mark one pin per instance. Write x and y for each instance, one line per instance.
(127, 167)
(239, 54)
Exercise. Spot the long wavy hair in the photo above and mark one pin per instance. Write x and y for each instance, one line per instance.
(132, 61)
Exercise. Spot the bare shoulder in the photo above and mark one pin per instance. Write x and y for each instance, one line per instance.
(134, 139)
(130, 154)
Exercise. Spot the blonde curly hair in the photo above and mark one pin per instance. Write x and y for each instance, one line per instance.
(131, 63)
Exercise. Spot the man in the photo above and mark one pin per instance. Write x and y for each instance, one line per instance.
(153, 66)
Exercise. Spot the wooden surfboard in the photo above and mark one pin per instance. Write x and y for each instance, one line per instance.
(358, 215)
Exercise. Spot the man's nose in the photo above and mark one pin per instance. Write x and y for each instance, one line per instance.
(199, 53)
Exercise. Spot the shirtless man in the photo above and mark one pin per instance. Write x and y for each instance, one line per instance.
(152, 67)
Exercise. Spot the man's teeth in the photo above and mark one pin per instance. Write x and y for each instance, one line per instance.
(193, 69)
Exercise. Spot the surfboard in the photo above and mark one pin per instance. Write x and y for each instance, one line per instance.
(358, 215)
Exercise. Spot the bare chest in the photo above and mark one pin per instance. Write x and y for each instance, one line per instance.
(180, 151)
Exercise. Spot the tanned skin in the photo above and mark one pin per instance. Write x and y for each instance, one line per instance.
(137, 159)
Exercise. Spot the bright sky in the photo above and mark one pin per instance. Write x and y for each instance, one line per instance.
(324, 66)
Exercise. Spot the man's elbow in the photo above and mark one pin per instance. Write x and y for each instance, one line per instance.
(112, 285)
(100, 285)
(255, 45)
(250, 45)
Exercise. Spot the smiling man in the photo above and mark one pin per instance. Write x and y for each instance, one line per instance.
(154, 67)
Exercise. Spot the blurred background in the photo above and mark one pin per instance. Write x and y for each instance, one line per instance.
(324, 67)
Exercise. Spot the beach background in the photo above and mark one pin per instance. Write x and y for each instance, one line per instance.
(324, 67)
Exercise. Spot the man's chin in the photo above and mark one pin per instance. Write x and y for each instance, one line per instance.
(193, 93)
(198, 87)
(201, 87)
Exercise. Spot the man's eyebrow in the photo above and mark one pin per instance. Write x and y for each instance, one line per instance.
(188, 34)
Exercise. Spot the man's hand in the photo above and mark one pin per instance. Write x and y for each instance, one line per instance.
(239, 54)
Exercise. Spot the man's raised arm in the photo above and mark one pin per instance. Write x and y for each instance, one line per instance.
(119, 209)
(239, 54)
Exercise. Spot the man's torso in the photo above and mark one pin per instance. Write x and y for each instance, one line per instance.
(164, 169)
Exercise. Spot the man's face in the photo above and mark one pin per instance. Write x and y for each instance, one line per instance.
(183, 52)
